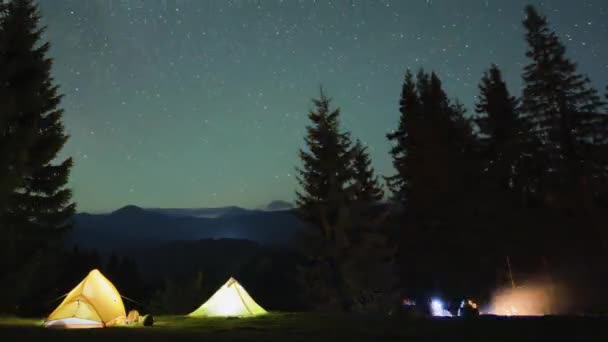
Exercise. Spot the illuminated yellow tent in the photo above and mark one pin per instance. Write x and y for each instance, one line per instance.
(230, 300)
(94, 303)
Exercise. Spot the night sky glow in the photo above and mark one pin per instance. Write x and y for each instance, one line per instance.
(203, 103)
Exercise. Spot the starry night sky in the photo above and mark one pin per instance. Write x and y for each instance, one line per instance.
(203, 103)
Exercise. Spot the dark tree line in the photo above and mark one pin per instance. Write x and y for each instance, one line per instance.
(35, 204)
(523, 178)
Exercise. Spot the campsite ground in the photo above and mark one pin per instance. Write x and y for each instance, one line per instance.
(317, 327)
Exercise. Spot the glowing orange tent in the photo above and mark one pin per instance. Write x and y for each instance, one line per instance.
(94, 303)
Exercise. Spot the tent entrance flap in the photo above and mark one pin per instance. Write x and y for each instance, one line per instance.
(73, 323)
(79, 308)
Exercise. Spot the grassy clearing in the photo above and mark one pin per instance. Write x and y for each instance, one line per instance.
(319, 327)
(9, 321)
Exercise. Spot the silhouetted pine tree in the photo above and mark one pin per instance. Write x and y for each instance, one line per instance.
(437, 181)
(408, 153)
(12, 147)
(507, 144)
(404, 150)
(507, 151)
(323, 203)
(37, 211)
(365, 187)
(499, 128)
(438, 150)
(326, 170)
(562, 106)
(564, 109)
(349, 264)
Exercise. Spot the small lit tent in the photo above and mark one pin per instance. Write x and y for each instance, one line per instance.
(230, 300)
(94, 303)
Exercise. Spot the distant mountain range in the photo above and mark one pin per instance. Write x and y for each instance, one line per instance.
(134, 227)
(279, 205)
(221, 211)
(202, 212)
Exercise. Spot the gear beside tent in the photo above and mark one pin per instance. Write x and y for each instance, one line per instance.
(94, 303)
(230, 300)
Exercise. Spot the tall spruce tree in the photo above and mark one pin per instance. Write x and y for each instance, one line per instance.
(12, 149)
(507, 151)
(326, 171)
(36, 206)
(404, 149)
(507, 145)
(349, 257)
(365, 188)
(562, 105)
(499, 126)
(431, 147)
(436, 180)
(323, 202)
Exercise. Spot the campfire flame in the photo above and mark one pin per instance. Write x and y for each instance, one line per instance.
(531, 300)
